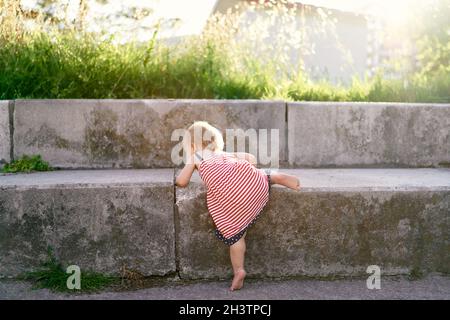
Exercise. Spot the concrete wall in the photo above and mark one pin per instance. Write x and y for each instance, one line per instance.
(347, 41)
(342, 221)
(137, 133)
(5, 137)
(322, 134)
(97, 221)
(127, 133)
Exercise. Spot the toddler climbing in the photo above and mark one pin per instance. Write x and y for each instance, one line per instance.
(237, 191)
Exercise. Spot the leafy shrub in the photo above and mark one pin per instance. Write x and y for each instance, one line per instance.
(27, 164)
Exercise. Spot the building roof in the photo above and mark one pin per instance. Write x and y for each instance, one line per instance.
(220, 5)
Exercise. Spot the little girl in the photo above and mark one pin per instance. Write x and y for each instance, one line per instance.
(236, 190)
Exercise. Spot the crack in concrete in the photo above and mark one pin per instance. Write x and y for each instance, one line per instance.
(176, 227)
(11, 110)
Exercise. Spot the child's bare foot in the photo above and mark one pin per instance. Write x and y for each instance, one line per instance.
(238, 280)
(292, 182)
(286, 180)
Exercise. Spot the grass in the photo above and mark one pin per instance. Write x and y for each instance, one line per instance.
(415, 274)
(66, 63)
(66, 66)
(51, 275)
(27, 164)
(378, 89)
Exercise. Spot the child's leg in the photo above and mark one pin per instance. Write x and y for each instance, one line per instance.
(237, 255)
(286, 180)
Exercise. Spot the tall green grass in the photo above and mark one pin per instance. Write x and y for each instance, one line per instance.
(53, 63)
(67, 65)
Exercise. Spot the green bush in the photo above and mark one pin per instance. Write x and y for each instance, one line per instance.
(27, 164)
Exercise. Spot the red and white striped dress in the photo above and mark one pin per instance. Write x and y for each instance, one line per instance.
(236, 191)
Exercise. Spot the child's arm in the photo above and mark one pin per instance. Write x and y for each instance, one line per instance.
(185, 175)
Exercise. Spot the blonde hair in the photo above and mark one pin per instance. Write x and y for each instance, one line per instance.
(201, 135)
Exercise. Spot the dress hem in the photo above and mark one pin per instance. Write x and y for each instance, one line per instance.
(233, 239)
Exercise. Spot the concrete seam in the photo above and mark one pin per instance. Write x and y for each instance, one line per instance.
(176, 227)
(286, 134)
(11, 110)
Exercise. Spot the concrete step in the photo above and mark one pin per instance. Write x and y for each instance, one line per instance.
(96, 219)
(142, 133)
(342, 221)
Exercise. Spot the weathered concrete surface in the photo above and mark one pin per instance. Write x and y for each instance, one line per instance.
(5, 143)
(322, 134)
(434, 287)
(99, 220)
(128, 133)
(342, 221)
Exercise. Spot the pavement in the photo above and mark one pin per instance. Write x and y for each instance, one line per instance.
(432, 287)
